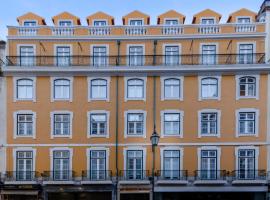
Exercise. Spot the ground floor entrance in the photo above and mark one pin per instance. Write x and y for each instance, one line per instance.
(80, 196)
(134, 196)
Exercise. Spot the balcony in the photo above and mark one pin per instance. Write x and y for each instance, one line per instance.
(249, 177)
(21, 177)
(100, 31)
(209, 29)
(28, 31)
(144, 60)
(129, 177)
(210, 177)
(63, 31)
(245, 28)
(58, 177)
(172, 177)
(96, 177)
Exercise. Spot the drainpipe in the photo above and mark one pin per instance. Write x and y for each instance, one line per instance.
(116, 136)
(155, 52)
(118, 53)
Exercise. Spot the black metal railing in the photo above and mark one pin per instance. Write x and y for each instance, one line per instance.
(249, 175)
(134, 174)
(136, 60)
(21, 176)
(61, 175)
(172, 174)
(96, 175)
(210, 174)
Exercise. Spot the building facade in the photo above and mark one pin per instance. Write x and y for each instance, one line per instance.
(81, 103)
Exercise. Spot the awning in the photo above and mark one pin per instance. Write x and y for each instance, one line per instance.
(18, 192)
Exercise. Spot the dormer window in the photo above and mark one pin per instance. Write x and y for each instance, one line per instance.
(207, 21)
(65, 23)
(243, 20)
(30, 23)
(100, 23)
(171, 22)
(136, 22)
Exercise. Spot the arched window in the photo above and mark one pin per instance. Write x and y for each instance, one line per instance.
(25, 89)
(135, 88)
(247, 86)
(209, 88)
(171, 88)
(61, 89)
(98, 89)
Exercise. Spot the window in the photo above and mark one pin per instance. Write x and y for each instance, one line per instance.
(98, 89)
(98, 124)
(135, 89)
(208, 164)
(246, 164)
(209, 88)
(61, 89)
(25, 89)
(247, 86)
(62, 124)
(208, 21)
(171, 22)
(172, 55)
(134, 165)
(61, 165)
(24, 166)
(136, 22)
(100, 56)
(136, 56)
(25, 124)
(209, 123)
(65, 23)
(29, 23)
(100, 23)
(247, 123)
(209, 54)
(246, 53)
(243, 20)
(135, 124)
(171, 165)
(63, 56)
(27, 56)
(172, 124)
(98, 165)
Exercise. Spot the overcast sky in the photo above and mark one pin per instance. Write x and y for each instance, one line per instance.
(11, 9)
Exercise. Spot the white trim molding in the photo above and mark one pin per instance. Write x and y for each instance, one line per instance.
(139, 18)
(144, 79)
(216, 53)
(34, 153)
(135, 45)
(257, 122)
(107, 150)
(215, 148)
(70, 79)
(181, 93)
(25, 45)
(247, 148)
(61, 149)
(107, 46)
(200, 78)
(126, 121)
(70, 124)
(216, 111)
(172, 148)
(15, 122)
(55, 46)
(107, 113)
(15, 89)
(214, 18)
(65, 20)
(89, 98)
(97, 20)
(254, 48)
(172, 45)
(181, 113)
(135, 148)
(257, 86)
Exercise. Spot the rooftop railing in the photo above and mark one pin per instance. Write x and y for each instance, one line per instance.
(136, 60)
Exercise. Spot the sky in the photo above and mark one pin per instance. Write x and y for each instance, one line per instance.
(11, 9)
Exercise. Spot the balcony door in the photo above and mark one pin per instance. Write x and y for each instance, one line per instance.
(208, 54)
(63, 56)
(136, 56)
(171, 55)
(208, 164)
(26, 56)
(246, 164)
(171, 164)
(99, 56)
(98, 165)
(134, 164)
(61, 160)
(24, 165)
(245, 53)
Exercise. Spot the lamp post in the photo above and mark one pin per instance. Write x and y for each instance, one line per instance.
(154, 141)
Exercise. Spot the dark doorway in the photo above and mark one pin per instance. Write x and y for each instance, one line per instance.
(134, 196)
(80, 196)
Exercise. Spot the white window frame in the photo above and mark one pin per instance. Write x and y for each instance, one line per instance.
(52, 123)
(17, 149)
(144, 79)
(15, 128)
(130, 19)
(238, 17)
(94, 20)
(65, 20)
(100, 45)
(172, 44)
(55, 52)
(144, 123)
(107, 150)
(218, 112)
(237, 80)
(61, 149)
(171, 148)
(200, 78)
(70, 89)
(172, 18)
(15, 79)
(135, 45)
(135, 148)
(181, 79)
(162, 114)
(254, 49)
(107, 113)
(257, 122)
(217, 52)
(25, 45)
(89, 79)
(214, 148)
(203, 18)
(246, 148)
(30, 20)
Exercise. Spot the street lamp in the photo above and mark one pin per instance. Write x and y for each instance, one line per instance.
(154, 141)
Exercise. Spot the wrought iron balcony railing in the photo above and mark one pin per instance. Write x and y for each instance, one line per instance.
(136, 60)
(134, 175)
(58, 175)
(21, 176)
(249, 175)
(172, 174)
(96, 175)
(210, 174)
